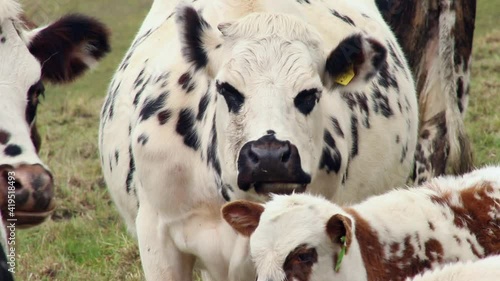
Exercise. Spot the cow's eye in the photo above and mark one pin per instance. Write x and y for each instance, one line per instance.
(233, 97)
(306, 257)
(306, 100)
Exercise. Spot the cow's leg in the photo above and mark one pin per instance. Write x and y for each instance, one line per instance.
(160, 257)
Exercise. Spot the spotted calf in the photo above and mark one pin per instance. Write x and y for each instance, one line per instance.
(57, 53)
(387, 237)
(436, 37)
(230, 99)
(487, 269)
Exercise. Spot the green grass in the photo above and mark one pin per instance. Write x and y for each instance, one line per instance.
(85, 239)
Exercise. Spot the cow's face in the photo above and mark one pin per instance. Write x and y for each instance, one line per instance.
(56, 53)
(297, 237)
(271, 73)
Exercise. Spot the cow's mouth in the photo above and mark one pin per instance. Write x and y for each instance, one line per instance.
(279, 187)
(24, 219)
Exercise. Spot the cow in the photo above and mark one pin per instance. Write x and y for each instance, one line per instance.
(57, 53)
(486, 269)
(386, 237)
(224, 100)
(436, 37)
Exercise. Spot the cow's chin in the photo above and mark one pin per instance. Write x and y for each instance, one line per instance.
(285, 188)
(28, 219)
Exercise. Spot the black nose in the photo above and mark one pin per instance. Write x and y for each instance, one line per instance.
(271, 165)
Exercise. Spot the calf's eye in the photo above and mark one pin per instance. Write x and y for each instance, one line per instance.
(233, 97)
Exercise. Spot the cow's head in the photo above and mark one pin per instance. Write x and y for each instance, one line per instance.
(298, 237)
(271, 74)
(57, 53)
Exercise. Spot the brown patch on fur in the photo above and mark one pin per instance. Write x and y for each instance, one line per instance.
(28, 23)
(4, 137)
(474, 214)
(298, 264)
(381, 267)
(486, 228)
(434, 251)
(243, 216)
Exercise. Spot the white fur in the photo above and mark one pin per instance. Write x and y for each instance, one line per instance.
(19, 70)
(290, 221)
(487, 269)
(9, 9)
(176, 191)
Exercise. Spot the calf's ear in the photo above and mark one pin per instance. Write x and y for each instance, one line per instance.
(199, 42)
(355, 60)
(339, 226)
(243, 216)
(69, 46)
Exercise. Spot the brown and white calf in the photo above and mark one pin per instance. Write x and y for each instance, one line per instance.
(387, 237)
(487, 269)
(57, 53)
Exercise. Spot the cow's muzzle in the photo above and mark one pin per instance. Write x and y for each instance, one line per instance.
(26, 194)
(271, 166)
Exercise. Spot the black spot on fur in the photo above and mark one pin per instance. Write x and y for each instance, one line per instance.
(143, 139)
(394, 56)
(202, 106)
(152, 105)
(306, 100)
(404, 152)
(385, 78)
(186, 81)
(381, 103)
(271, 132)
(12, 150)
(117, 156)
(460, 94)
(336, 127)
(330, 162)
(193, 27)
(327, 137)
(164, 116)
(362, 102)
(365, 15)
(233, 97)
(425, 134)
(346, 19)
(212, 150)
(131, 170)
(303, 1)
(355, 136)
(186, 128)
(3, 39)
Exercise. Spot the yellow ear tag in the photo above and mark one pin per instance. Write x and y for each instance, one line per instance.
(346, 77)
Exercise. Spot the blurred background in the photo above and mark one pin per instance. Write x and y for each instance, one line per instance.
(85, 238)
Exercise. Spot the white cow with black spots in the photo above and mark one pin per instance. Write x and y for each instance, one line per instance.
(231, 99)
(57, 53)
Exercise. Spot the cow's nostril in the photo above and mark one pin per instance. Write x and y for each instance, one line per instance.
(253, 156)
(285, 157)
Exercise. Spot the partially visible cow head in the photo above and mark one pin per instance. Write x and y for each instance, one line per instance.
(271, 73)
(57, 53)
(297, 237)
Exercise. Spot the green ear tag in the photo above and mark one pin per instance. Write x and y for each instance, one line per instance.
(341, 254)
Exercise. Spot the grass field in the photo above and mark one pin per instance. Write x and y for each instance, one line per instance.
(85, 239)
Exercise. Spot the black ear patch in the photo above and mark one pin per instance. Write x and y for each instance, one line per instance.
(63, 45)
(192, 27)
(364, 54)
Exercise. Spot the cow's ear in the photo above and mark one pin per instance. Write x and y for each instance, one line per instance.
(243, 216)
(339, 229)
(199, 41)
(69, 46)
(355, 60)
